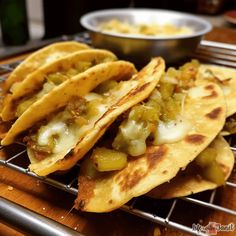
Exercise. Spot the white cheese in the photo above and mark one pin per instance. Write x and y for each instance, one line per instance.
(102, 108)
(92, 96)
(172, 131)
(67, 136)
(131, 129)
(198, 92)
(53, 128)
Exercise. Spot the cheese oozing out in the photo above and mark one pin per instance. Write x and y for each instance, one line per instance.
(172, 131)
(198, 92)
(66, 134)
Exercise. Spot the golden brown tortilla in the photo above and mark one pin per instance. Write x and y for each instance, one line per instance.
(226, 78)
(41, 57)
(189, 181)
(145, 81)
(204, 108)
(58, 97)
(34, 81)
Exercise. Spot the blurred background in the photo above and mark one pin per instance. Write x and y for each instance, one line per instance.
(25, 20)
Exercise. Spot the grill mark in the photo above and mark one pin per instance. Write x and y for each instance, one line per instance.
(209, 87)
(86, 187)
(213, 94)
(195, 139)
(214, 114)
(155, 155)
(130, 179)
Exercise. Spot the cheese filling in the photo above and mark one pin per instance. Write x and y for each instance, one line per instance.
(63, 132)
(160, 119)
(52, 80)
(172, 131)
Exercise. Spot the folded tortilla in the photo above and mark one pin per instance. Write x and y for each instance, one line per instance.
(47, 77)
(95, 112)
(78, 85)
(203, 115)
(41, 57)
(226, 78)
(190, 180)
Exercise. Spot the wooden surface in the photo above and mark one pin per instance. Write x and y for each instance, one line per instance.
(58, 205)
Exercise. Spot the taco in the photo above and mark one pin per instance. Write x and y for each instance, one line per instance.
(208, 171)
(78, 85)
(44, 79)
(39, 58)
(69, 132)
(226, 78)
(156, 139)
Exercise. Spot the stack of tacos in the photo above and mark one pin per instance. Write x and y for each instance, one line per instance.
(137, 132)
(190, 114)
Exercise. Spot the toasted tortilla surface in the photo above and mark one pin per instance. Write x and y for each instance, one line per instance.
(205, 111)
(145, 81)
(189, 181)
(35, 80)
(227, 76)
(79, 85)
(41, 57)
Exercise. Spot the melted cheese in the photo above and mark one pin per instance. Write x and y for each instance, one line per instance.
(54, 127)
(198, 92)
(172, 131)
(66, 135)
(61, 130)
(92, 96)
(131, 130)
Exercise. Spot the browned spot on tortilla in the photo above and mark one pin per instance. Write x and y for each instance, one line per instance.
(155, 155)
(157, 66)
(86, 187)
(213, 94)
(164, 172)
(132, 93)
(214, 114)
(137, 90)
(226, 81)
(110, 201)
(129, 179)
(195, 139)
(209, 87)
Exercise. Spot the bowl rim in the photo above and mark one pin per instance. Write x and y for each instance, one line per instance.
(84, 21)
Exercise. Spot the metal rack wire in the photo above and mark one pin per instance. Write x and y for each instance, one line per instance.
(159, 211)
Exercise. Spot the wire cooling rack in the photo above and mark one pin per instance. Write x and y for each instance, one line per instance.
(165, 212)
